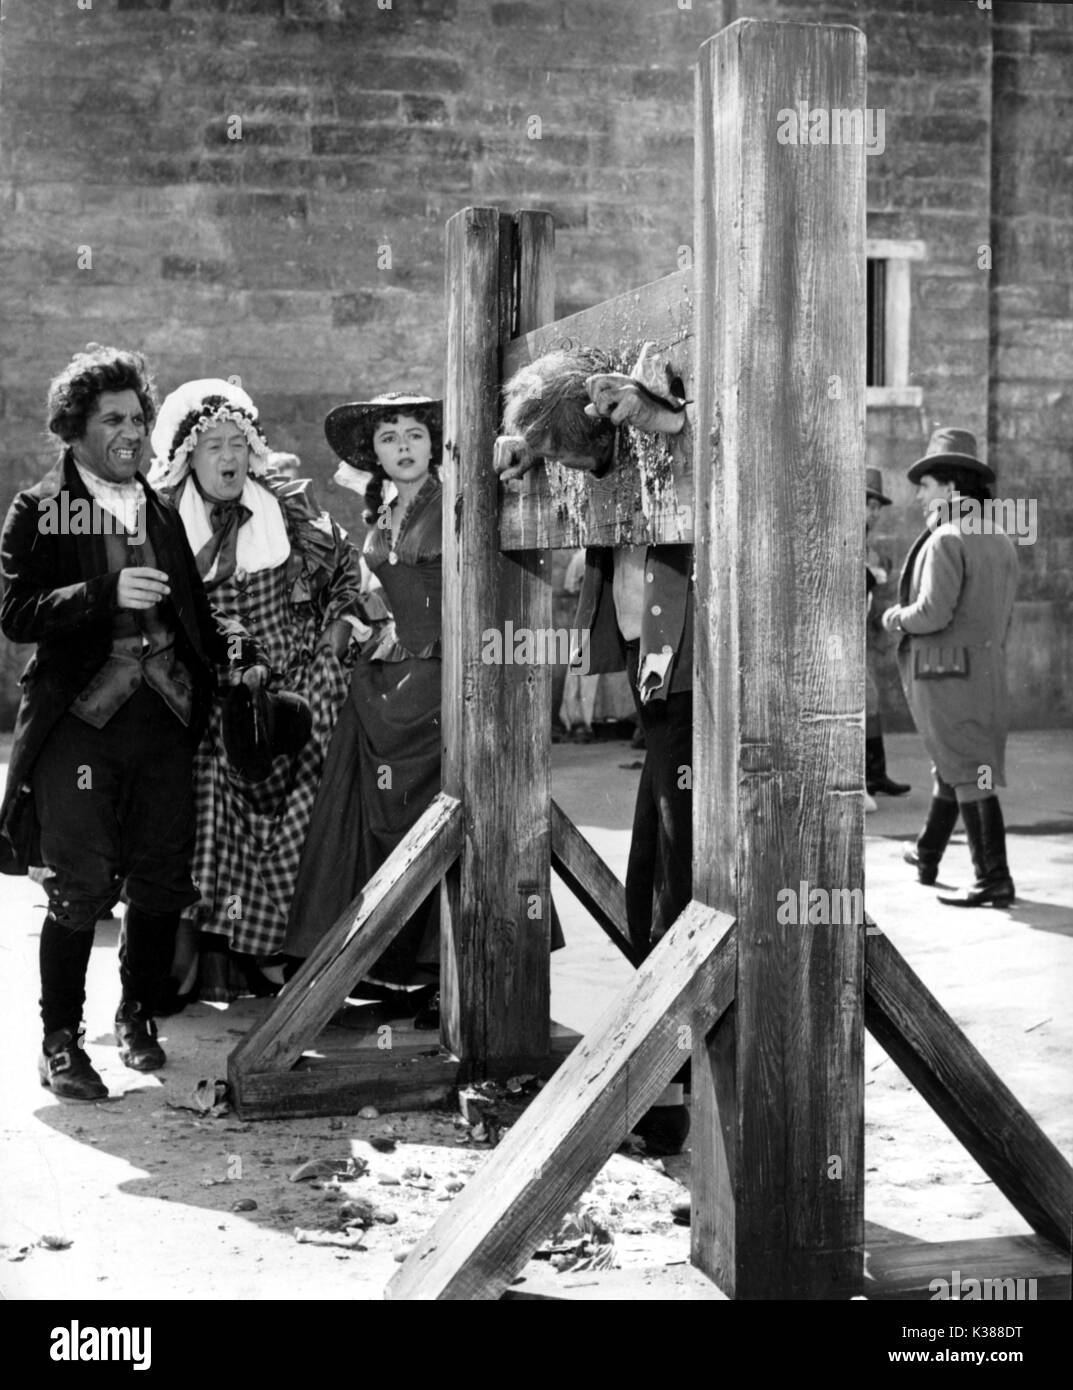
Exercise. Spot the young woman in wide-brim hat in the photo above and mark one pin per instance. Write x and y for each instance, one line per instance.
(384, 763)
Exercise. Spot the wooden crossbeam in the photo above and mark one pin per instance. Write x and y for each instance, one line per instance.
(575, 1124)
(634, 504)
(591, 881)
(355, 942)
(931, 1050)
(661, 312)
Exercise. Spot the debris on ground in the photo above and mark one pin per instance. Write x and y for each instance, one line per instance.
(211, 1098)
(358, 1211)
(350, 1238)
(347, 1168)
(582, 1242)
(55, 1243)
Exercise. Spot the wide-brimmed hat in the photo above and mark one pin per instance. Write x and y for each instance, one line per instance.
(345, 426)
(873, 486)
(956, 448)
(258, 725)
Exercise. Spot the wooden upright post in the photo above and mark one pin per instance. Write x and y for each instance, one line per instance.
(780, 605)
(496, 902)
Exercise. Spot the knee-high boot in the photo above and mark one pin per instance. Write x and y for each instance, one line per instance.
(146, 947)
(986, 833)
(933, 839)
(63, 1065)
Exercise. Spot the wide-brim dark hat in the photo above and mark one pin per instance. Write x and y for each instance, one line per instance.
(956, 448)
(873, 486)
(258, 726)
(345, 426)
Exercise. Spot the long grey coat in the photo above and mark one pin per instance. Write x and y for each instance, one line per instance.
(956, 598)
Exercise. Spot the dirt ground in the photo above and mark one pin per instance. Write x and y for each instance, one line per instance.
(84, 1185)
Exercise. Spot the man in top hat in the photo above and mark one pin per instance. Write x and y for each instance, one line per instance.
(100, 787)
(878, 566)
(956, 596)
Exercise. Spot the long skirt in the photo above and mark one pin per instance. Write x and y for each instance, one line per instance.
(382, 772)
(250, 834)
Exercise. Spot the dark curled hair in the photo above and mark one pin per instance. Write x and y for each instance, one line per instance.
(73, 395)
(207, 406)
(428, 415)
(546, 400)
(966, 481)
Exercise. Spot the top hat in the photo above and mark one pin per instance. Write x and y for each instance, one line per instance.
(954, 447)
(257, 726)
(873, 486)
(344, 425)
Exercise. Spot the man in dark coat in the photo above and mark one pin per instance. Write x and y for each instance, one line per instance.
(955, 604)
(98, 573)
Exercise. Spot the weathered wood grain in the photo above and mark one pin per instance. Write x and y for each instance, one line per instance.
(573, 1127)
(779, 683)
(936, 1057)
(640, 502)
(355, 942)
(906, 1270)
(590, 880)
(496, 904)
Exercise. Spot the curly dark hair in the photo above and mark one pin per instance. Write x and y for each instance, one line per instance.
(966, 481)
(546, 400)
(209, 404)
(431, 416)
(73, 394)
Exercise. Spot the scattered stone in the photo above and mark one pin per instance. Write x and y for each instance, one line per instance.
(389, 1180)
(454, 1185)
(244, 1204)
(383, 1143)
(368, 1112)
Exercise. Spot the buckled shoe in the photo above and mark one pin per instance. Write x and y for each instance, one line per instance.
(66, 1070)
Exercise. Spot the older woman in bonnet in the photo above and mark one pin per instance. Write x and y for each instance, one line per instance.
(266, 553)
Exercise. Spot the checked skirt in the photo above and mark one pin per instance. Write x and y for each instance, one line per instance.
(250, 835)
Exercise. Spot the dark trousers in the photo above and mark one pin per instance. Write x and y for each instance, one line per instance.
(659, 872)
(116, 807)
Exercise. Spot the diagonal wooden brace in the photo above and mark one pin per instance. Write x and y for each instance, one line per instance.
(574, 1126)
(591, 881)
(937, 1058)
(361, 935)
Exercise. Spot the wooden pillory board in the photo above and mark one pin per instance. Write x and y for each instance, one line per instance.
(768, 336)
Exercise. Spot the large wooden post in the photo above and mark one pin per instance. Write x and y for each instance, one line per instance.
(780, 602)
(496, 902)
